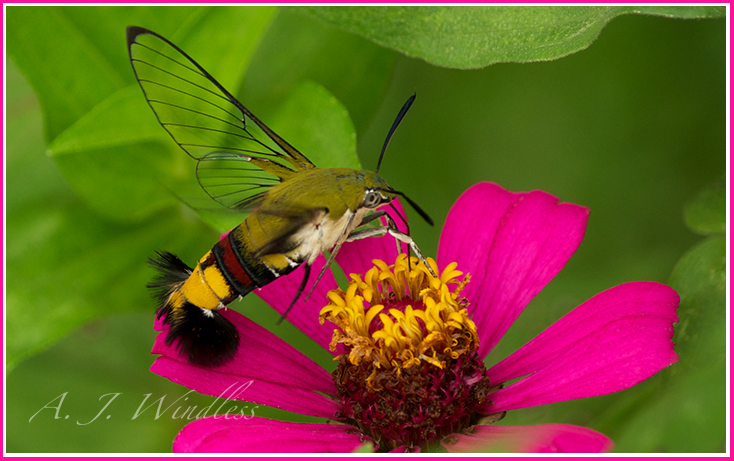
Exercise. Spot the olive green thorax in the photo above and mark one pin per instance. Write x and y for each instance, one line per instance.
(335, 189)
(320, 205)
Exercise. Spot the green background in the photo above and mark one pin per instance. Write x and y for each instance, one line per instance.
(626, 117)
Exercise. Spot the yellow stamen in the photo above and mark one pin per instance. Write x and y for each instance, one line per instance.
(399, 316)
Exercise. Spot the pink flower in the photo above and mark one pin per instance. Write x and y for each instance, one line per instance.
(512, 245)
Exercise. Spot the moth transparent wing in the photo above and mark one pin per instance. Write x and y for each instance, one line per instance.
(233, 180)
(210, 124)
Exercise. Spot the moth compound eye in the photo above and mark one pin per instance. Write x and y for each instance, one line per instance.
(372, 199)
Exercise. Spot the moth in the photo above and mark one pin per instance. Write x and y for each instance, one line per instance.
(294, 210)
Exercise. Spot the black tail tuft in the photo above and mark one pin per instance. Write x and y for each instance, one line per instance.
(172, 273)
(203, 336)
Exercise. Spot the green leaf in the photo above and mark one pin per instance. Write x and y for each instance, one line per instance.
(700, 280)
(477, 36)
(117, 157)
(80, 58)
(706, 213)
(296, 47)
(84, 272)
(318, 125)
(661, 422)
(52, 60)
(64, 263)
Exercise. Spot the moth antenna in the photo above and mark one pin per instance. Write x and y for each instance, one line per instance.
(415, 206)
(394, 127)
(402, 218)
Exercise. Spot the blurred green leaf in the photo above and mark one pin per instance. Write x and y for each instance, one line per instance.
(115, 121)
(471, 37)
(700, 280)
(74, 64)
(84, 273)
(663, 421)
(317, 124)
(296, 47)
(694, 391)
(64, 262)
(52, 61)
(706, 213)
(116, 162)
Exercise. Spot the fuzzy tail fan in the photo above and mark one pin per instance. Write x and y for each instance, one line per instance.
(203, 336)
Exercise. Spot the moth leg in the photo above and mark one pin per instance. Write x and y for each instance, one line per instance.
(399, 236)
(372, 216)
(365, 220)
(390, 223)
(306, 273)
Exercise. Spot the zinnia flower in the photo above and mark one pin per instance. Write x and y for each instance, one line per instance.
(410, 346)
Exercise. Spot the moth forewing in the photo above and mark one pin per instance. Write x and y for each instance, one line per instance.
(197, 111)
(186, 103)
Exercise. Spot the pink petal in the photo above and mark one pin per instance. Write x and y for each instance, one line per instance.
(280, 375)
(471, 225)
(305, 314)
(544, 438)
(611, 342)
(248, 434)
(512, 244)
(356, 257)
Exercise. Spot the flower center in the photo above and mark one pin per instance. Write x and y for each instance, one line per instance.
(410, 373)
